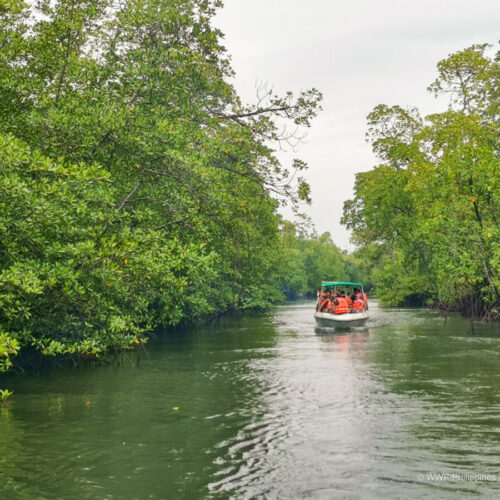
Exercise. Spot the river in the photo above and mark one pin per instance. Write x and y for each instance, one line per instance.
(267, 406)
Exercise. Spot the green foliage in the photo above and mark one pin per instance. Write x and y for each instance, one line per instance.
(95, 288)
(9, 347)
(427, 218)
(136, 189)
(4, 394)
(308, 259)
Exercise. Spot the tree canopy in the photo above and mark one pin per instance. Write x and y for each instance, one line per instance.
(426, 219)
(136, 189)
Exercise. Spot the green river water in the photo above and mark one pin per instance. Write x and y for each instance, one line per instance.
(267, 407)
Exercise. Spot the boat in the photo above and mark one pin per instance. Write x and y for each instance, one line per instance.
(344, 320)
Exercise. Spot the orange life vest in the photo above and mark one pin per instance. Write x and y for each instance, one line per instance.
(358, 305)
(342, 307)
(325, 304)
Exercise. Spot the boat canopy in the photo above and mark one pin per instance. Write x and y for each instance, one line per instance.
(335, 283)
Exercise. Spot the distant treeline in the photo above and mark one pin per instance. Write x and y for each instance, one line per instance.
(309, 259)
(426, 219)
(136, 189)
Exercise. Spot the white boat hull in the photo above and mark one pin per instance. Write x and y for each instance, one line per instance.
(341, 320)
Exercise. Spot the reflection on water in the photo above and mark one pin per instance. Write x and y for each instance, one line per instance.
(268, 407)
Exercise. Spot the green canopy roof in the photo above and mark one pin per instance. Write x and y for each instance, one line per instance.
(335, 283)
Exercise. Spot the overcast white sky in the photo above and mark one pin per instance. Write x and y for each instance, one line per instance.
(359, 53)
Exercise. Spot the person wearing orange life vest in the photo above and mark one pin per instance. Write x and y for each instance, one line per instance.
(358, 305)
(341, 306)
(350, 301)
(356, 296)
(326, 303)
(362, 295)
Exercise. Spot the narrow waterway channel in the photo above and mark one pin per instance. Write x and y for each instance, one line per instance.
(267, 407)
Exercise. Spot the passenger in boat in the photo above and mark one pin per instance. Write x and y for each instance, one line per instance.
(340, 303)
(361, 295)
(326, 302)
(358, 305)
(350, 301)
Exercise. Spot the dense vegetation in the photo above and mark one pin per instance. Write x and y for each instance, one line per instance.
(427, 218)
(308, 259)
(136, 189)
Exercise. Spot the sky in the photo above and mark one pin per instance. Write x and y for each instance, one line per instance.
(358, 53)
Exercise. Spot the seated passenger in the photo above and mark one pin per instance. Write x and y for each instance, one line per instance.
(326, 303)
(358, 305)
(350, 301)
(340, 303)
